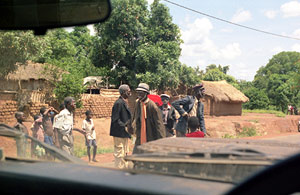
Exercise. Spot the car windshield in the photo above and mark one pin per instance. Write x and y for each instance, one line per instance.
(161, 86)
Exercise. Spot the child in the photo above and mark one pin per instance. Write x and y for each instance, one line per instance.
(89, 128)
(38, 133)
(19, 125)
(37, 128)
(21, 142)
(194, 128)
(47, 124)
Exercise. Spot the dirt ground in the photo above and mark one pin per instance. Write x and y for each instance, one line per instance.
(266, 126)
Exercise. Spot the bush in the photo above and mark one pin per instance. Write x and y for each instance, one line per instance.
(247, 132)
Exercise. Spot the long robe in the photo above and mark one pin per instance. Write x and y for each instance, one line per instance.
(155, 128)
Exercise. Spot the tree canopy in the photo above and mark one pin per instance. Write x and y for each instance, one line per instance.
(139, 45)
(278, 79)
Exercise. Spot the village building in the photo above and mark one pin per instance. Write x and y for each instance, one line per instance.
(26, 89)
(222, 99)
(30, 87)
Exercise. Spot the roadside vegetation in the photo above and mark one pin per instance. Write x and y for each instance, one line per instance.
(80, 150)
(246, 132)
(275, 112)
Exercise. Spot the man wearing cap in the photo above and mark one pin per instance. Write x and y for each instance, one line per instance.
(120, 121)
(168, 115)
(190, 106)
(147, 119)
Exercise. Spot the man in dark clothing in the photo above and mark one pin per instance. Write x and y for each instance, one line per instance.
(168, 115)
(190, 106)
(147, 119)
(120, 121)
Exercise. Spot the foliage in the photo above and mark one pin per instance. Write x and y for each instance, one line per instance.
(215, 74)
(71, 85)
(278, 79)
(19, 46)
(81, 151)
(139, 45)
(188, 76)
(257, 99)
(71, 53)
(223, 69)
(246, 132)
(275, 112)
(244, 85)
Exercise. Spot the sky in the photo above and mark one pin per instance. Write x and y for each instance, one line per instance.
(209, 41)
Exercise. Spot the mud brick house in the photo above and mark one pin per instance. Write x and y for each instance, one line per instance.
(222, 99)
(25, 89)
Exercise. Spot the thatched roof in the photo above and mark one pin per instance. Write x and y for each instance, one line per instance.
(222, 91)
(29, 71)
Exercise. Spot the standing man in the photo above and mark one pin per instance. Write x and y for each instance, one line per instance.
(190, 106)
(148, 124)
(64, 125)
(120, 122)
(168, 115)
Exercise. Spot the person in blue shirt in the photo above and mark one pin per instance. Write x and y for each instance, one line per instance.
(190, 106)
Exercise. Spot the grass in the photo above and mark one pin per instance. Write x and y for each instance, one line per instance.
(80, 151)
(254, 120)
(246, 132)
(275, 112)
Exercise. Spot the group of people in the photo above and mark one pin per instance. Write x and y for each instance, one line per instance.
(56, 128)
(292, 110)
(150, 122)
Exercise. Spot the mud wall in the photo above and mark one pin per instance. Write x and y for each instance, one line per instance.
(101, 106)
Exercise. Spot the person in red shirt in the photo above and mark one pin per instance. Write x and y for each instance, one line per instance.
(194, 128)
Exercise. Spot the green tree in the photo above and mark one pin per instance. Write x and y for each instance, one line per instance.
(257, 99)
(19, 46)
(118, 39)
(71, 85)
(245, 85)
(277, 79)
(223, 69)
(71, 53)
(139, 45)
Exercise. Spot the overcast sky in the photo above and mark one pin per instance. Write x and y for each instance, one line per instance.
(208, 41)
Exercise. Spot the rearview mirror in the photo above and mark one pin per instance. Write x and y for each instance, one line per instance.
(45, 14)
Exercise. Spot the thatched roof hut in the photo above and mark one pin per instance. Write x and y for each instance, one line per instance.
(223, 91)
(29, 82)
(29, 76)
(223, 99)
(29, 71)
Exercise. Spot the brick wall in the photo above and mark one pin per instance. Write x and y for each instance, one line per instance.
(35, 107)
(99, 105)
(8, 109)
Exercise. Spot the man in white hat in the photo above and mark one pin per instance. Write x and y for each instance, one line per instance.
(168, 115)
(147, 119)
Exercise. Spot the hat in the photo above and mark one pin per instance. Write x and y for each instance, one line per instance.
(143, 87)
(165, 95)
(198, 86)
